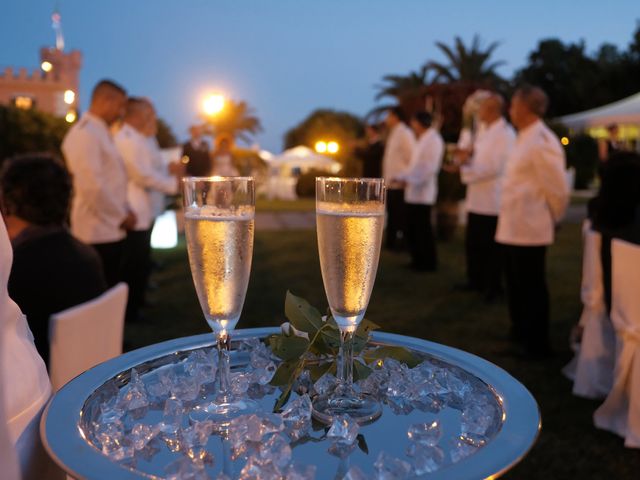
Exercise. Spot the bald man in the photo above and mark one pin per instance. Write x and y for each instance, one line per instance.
(100, 214)
(482, 173)
(535, 194)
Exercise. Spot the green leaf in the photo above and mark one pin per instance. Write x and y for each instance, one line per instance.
(282, 399)
(285, 372)
(398, 353)
(362, 444)
(360, 370)
(288, 348)
(361, 336)
(302, 315)
(318, 370)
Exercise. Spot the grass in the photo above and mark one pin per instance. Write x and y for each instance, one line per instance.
(423, 306)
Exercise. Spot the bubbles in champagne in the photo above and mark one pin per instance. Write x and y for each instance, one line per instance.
(349, 238)
(220, 245)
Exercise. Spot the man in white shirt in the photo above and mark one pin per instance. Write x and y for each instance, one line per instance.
(482, 173)
(535, 194)
(420, 181)
(139, 160)
(397, 155)
(100, 214)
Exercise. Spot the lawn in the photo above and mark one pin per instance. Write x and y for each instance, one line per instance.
(422, 305)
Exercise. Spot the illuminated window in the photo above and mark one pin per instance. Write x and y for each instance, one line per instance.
(24, 102)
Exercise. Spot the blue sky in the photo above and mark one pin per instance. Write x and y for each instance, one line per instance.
(288, 57)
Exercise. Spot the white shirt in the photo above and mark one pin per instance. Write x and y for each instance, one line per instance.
(99, 181)
(397, 152)
(421, 175)
(157, 197)
(483, 174)
(139, 160)
(535, 192)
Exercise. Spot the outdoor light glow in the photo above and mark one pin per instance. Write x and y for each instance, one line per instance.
(213, 104)
(46, 66)
(564, 141)
(69, 97)
(70, 117)
(23, 102)
(333, 147)
(321, 146)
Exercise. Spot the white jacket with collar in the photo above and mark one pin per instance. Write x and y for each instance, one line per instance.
(484, 173)
(421, 176)
(99, 203)
(535, 192)
(397, 152)
(144, 177)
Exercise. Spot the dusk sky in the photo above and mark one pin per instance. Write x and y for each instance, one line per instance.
(288, 57)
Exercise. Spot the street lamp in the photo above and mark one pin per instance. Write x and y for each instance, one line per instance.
(333, 147)
(321, 146)
(213, 104)
(46, 66)
(69, 97)
(70, 117)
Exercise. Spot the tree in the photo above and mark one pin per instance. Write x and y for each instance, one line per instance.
(407, 90)
(24, 131)
(467, 64)
(325, 124)
(165, 136)
(236, 119)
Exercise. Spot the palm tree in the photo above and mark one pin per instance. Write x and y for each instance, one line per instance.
(408, 91)
(237, 119)
(466, 64)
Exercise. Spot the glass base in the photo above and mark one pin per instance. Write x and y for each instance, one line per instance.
(220, 413)
(362, 408)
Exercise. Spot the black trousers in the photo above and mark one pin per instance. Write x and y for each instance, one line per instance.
(396, 217)
(136, 269)
(422, 245)
(484, 259)
(528, 296)
(112, 256)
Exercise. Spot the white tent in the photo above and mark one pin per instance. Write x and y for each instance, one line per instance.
(625, 111)
(301, 159)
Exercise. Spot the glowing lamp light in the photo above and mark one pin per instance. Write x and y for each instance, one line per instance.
(70, 117)
(69, 97)
(46, 66)
(564, 141)
(321, 146)
(213, 104)
(333, 147)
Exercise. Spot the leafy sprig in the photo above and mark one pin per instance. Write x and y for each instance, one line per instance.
(311, 342)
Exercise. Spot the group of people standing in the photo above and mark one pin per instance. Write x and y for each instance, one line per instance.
(517, 192)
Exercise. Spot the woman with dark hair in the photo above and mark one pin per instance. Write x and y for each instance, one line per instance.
(615, 212)
(51, 270)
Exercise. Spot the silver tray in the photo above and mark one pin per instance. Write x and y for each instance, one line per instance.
(63, 428)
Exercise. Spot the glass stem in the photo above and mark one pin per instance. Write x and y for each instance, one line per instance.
(224, 382)
(345, 362)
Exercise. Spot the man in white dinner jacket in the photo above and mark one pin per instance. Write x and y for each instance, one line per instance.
(535, 194)
(143, 180)
(420, 181)
(482, 173)
(100, 214)
(397, 155)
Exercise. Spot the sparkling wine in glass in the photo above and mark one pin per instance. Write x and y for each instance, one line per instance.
(350, 220)
(219, 223)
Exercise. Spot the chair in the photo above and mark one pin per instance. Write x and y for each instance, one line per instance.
(87, 334)
(592, 367)
(620, 412)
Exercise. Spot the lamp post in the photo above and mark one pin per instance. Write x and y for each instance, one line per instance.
(213, 104)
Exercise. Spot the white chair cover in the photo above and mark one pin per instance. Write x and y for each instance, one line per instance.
(86, 335)
(592, 367)
(620, 412)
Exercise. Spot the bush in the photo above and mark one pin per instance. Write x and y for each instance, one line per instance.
(582, 154)
(306, 186)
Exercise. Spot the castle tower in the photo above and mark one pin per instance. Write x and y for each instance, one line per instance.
(52, 88)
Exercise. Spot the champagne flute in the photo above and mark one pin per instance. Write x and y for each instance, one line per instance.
(350, 220)
(219, 218)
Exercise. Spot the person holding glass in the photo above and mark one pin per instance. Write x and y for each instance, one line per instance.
(420, 180)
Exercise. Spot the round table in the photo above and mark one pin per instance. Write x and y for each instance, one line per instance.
(64, 422)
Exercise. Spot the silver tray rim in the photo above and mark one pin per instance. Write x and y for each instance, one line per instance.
(63, 440)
